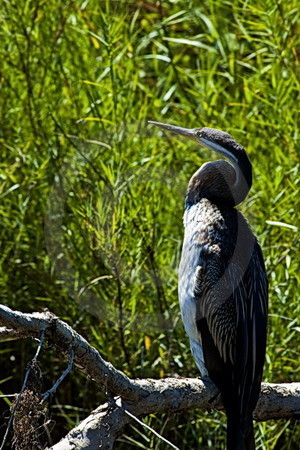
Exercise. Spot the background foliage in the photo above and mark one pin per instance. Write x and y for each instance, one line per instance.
(92, 198)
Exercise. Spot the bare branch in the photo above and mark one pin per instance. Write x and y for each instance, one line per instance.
(278, 401)
(139, 397)
(62, 336)
(91, 433)
(60, 379)
(104, 424)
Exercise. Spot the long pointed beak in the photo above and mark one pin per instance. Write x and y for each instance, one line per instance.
(190, 133)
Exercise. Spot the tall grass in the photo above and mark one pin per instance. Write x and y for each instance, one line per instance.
(92, 197)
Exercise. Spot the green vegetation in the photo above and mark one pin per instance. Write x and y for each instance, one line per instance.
(92, 198)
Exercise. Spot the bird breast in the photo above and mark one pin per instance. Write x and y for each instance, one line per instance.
(202, 223)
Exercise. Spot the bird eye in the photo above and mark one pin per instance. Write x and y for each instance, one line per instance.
(199, 134)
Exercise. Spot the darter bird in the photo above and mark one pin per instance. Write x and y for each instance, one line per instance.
(223, 286)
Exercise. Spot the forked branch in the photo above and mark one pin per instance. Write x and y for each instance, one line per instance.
(132, 397)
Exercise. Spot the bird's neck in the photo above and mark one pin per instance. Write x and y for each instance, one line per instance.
(220, 182)
(242, 184)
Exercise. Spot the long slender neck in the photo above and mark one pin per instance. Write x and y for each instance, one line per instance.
(220, 182)
(243, 180)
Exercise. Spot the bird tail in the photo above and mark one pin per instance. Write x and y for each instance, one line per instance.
(240, 433)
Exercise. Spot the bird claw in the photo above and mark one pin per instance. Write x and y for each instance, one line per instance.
(207, 380)
(216, 398)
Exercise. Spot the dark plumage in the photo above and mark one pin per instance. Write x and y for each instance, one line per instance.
(222, 282)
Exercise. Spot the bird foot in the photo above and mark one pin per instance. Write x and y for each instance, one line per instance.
(216, 398)
(207, 380)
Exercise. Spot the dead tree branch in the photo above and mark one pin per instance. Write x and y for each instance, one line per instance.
(138, 397)
(103, 425)
(16, 324)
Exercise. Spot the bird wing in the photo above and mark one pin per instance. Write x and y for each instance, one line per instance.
(256, 287)
(231, 319)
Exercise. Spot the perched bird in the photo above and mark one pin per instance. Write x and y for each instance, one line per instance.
(222, 282)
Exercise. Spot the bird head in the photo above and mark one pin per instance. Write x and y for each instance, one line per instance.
(224, 144)
(216, 140)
